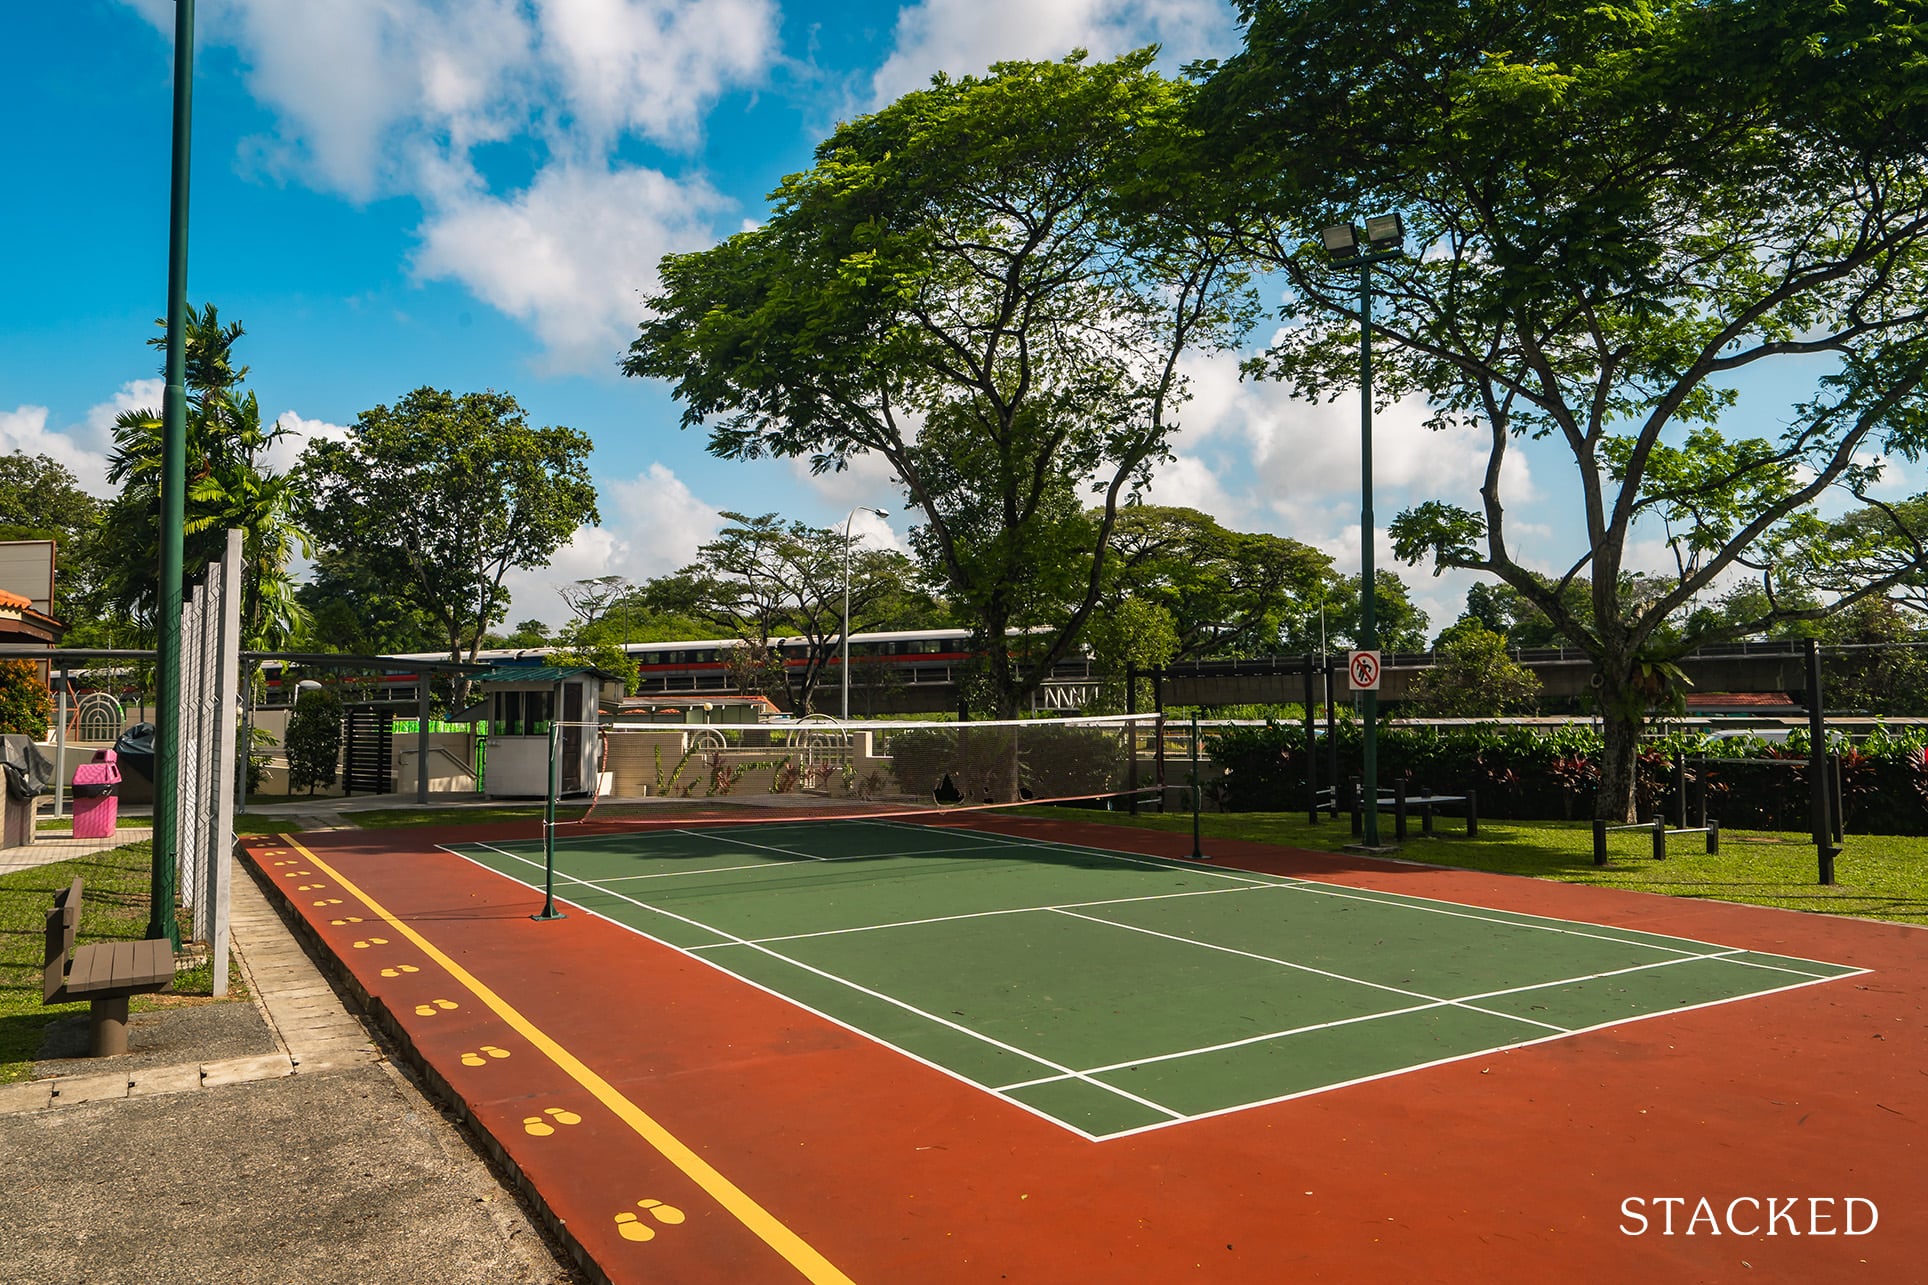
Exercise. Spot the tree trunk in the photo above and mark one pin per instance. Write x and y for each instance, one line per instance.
(1622, 718)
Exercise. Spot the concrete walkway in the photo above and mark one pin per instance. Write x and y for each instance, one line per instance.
(320, 1160)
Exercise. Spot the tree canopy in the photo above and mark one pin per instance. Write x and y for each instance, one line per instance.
(988, 283)
(1615, 211)
(459, 489)
(228, 487)
(1227, 593)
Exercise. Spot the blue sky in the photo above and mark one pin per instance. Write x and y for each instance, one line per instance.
(474, 193)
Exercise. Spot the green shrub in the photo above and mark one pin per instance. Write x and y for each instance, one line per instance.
(25, 704)
(314, 740)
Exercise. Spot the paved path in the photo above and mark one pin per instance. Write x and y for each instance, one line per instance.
(320, 1160)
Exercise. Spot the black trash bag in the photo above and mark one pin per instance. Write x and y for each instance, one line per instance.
(29, 771)
(135, 750)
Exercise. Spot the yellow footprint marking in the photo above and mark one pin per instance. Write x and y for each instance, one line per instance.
(352, 919)
(329, 901)
(372, 941)
(428, 1010)
(290, 861)
(398, 970)
(476, 1059)
(292, 874)
(540, 1127)
(493, 1051)
(634, 1228)
(310, 887)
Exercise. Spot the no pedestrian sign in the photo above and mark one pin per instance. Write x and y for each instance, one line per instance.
(1363, 666)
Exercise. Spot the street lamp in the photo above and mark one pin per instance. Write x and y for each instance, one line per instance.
(1385, 235)
(862, 508)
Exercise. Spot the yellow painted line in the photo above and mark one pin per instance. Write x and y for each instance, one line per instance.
(761, 1223)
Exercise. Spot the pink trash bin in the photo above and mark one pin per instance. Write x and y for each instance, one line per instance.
(96, 810)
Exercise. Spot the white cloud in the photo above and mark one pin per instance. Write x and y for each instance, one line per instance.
(652, 525)
(658, 523)
(570, 254)
(651, 66)
(536, 595)
(375, 98)
(963, 37)
(82, 447)
(297, 433)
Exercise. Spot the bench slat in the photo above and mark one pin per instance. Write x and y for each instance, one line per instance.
(90, 968)
(154, 962)
(121, 970)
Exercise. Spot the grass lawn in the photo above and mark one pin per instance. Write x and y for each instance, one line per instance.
(66, 823)
(114, 906)
(1877, 876)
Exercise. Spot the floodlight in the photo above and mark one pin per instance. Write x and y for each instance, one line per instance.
(1342, 241)
(1385, 231)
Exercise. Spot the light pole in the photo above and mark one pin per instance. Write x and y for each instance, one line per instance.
(862, 508)
(1385, 235)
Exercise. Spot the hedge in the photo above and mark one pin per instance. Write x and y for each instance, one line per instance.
(1552, 773)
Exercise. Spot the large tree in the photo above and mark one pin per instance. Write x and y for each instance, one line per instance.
(1227, 593)
(441, 494)
(41, 499)
(990, 284)
(353, 606)
(1616, 212)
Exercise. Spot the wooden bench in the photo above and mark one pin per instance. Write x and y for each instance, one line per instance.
(104, 974)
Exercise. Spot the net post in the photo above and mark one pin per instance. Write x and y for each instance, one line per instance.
(1198, 853)
(1158, 750)
(1680, 787)
(1311, 750)
(549, 910)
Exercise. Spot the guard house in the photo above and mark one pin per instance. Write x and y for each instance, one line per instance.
(524, 700)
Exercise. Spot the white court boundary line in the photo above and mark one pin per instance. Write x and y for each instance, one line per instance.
(732, 939)
(1248, 881)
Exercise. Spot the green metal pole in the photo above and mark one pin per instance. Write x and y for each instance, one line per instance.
(1198, 853)
(1368, 585)
(167, 624)
(549, 910)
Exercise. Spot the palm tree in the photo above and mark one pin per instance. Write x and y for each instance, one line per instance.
(226, 488)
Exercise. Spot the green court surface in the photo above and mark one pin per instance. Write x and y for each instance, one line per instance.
(1114, 993)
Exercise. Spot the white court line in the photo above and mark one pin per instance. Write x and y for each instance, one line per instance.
(1395, 900)
(1464, 1057)
(733, 939)
(1246, 881)
(1305, 968)
(1460, 1001)
(987, 914)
